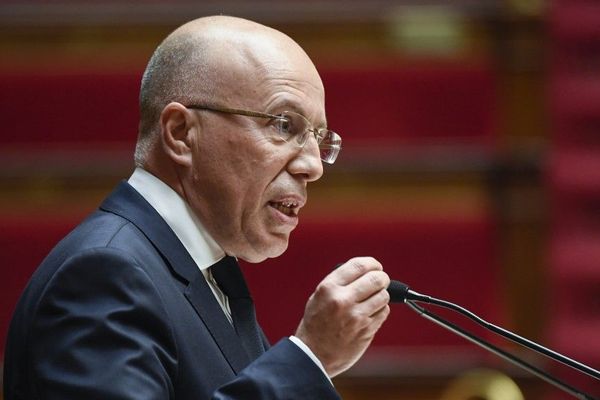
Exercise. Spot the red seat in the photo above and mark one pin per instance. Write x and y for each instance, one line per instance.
(62, 110)
(24, 243)
(423, 103)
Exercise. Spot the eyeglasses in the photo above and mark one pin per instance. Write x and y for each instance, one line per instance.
(292, 128)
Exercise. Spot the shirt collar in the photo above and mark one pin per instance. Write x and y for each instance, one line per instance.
(203, 249)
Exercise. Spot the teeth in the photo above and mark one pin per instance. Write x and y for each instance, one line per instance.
(286, 207)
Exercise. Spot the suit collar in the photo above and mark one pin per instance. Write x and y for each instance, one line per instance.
(126, 202)
(179, 216)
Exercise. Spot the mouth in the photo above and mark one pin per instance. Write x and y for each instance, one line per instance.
(287, 207)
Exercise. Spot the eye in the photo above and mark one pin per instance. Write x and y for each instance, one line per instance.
(284, 126)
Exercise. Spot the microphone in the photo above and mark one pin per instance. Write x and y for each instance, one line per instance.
(401, 293)
(398, 292)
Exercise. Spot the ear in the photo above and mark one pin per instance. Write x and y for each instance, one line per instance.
(176, 123)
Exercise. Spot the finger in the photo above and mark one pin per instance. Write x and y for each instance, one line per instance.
(375, 322)
(374, 304)
(379, 318)
(353, 269)
(368, 284)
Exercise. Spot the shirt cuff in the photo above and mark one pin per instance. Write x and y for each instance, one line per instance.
(310, 354)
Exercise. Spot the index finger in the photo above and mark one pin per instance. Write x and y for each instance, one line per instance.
(354, 269)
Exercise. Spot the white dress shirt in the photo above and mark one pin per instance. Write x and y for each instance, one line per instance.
(203, 249)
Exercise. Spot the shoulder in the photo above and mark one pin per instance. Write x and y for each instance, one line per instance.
(100, 308)
(95, 254)
(101, 235)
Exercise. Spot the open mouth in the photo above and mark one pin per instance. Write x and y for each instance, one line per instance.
(289, 208)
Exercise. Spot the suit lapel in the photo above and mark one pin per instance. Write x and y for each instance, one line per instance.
(203, 301)
(129, 204)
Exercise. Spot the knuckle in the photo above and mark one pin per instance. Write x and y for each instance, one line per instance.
(385, 296)
(383, 313)
(339, 303)
(324, 288)
(386, 278)
(375, 279)
(365, 264)
(386, 312)
(380, 319)
(358, 266)
(379, 279)
(358, 318)
(373, 262)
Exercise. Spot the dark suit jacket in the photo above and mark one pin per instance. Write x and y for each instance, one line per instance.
(119, 310)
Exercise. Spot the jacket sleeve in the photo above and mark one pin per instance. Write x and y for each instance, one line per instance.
(283, 372)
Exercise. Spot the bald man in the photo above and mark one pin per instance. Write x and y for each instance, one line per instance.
(145, 299)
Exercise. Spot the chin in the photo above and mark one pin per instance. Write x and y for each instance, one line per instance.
(273, 250)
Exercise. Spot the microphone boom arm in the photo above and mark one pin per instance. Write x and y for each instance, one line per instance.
(499, 352)
(414, 296)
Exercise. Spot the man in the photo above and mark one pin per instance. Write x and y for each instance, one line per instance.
(144, 300)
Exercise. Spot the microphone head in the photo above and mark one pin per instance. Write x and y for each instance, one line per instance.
(398, 292)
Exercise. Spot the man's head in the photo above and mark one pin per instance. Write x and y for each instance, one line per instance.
(241, 180)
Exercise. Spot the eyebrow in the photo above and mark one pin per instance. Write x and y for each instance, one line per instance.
(286, 105)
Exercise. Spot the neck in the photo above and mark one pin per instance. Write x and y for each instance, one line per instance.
(165, 171)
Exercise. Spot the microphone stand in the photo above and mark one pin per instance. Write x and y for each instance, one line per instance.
(490, 347)
(411, 295)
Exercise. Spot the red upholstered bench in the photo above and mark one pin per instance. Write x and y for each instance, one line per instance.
(422, 103)
(24, 242)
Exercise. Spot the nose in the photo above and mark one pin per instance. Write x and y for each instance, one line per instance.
(306, 162)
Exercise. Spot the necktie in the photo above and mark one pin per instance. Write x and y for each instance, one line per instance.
(229, 277)
(219, 294)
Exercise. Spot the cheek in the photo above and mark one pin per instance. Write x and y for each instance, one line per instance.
(233, 177)
(233, 194)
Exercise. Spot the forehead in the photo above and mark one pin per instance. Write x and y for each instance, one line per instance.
(270, 75)
(281, 91)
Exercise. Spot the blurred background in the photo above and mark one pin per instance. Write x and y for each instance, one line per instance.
(470, 167)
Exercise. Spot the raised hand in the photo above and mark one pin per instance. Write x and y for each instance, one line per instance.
(343, 314)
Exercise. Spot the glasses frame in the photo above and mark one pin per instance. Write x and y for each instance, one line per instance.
(256, 114)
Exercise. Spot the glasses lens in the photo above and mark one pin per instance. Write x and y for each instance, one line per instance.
(295, 127)
(286, 126)
(330, 146)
